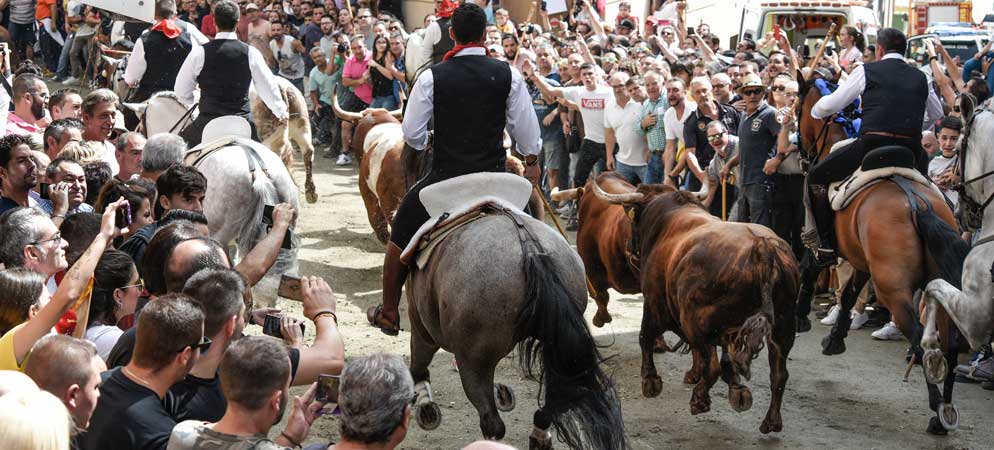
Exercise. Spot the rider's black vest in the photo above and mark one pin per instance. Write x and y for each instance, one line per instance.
(470, 104)
(444, 44)
(225, 78)
(893, 100)
(163, 58)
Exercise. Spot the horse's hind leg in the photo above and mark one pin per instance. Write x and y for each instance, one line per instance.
(835, 342)
(423, 349)
(300, 133)
(478, 383)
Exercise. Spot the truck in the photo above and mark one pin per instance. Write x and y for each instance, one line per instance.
(924, 13)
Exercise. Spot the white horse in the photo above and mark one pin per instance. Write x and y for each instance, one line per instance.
(164, 112)
(972, 308)
(243, 176)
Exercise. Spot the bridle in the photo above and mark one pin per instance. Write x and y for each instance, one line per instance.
(810, 154)
(972, 213)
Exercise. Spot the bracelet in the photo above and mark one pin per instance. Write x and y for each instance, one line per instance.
(63, 216)
(290, 440)
(325, 313)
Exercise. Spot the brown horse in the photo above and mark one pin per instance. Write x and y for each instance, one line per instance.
(899, 241)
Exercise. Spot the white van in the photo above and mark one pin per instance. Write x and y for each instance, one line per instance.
(807, 22)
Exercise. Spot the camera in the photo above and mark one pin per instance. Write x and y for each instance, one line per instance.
(342, 48)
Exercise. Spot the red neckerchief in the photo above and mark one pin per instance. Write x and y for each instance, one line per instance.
(455, 50)
(446, 8)
(168, 28)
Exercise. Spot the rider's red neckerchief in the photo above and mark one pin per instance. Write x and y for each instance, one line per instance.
(168, 28)
(455, 50)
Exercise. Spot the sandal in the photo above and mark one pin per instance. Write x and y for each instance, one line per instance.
(375, 317)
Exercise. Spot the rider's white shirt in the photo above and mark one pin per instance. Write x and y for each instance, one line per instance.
(853, 87)
(522, 123)
(137, 64)
(262, 78)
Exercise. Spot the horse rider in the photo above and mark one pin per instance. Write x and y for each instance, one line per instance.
(895, 100)
(436, 41)
(468, 135)
(225, 68)
(165, 45)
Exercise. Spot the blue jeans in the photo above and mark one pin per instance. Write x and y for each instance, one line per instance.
(23, 35)
(654, 171)
(387, 102)
(297, 83)
(977, 64)
(63, 70)
(634, 174)
(756, 204)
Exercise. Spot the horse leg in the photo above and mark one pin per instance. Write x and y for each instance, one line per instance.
(652, 384)
(478, 383)
(700, 400)
(835, 342)
(602, 298)
(541, 438)
(809, 277)
(739, 395)
(300, 133)
(426, 412)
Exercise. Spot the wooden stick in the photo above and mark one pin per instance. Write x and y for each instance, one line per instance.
(724, 200)
(555, 220)
(821, 50)
(911, 365)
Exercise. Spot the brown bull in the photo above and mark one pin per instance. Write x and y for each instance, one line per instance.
(388, 168)
(602, 241)
(712, 283)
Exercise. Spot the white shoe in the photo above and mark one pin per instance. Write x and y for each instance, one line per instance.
(888, 333)
(343, 160)
(71, 81)
(858, 319)
(833, 315)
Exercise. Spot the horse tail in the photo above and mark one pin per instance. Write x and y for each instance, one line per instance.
(581, 401)
(751, 336)
(943, 245)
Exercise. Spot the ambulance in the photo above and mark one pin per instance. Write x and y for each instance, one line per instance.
(806, 22)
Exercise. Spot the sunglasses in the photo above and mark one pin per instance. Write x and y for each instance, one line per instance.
(57, 237)
(140, 286)
(779, 88)
(667, 33)
(752, 91)
(716, 137)
(203, 345)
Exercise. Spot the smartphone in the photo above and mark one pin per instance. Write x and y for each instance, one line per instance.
(267, 219)
(327, 391)
(123, 216)
(44, 189)
(691, 31)
(290, 288)
(776, 31)
(271, 326)
(545, 5)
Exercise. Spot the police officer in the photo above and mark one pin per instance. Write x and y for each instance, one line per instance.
(468, 135)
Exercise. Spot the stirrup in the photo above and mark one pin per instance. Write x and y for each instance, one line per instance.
(825, 257)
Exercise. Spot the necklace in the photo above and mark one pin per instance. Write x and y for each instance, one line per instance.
(137, 378)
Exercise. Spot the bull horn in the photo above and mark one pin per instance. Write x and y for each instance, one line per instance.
(342, 114)
(569, 194)
(618, 199)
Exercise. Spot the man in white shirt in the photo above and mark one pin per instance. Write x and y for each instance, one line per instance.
(673, 120)
(166, 44)
(225, 68)
(591, 100)
(99, 119)
(621, 122)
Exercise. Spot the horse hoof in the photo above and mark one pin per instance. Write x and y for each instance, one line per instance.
(948, 415)
(740, 397)
(691, 377)
(601, 317)
(935, 366)
(831, 346)
(652, 386)
(935, 427)
(312, 197)
(428, 416)
(803, 325)
(504, 397)
(766, 427)
(699, 406)
(540, 440)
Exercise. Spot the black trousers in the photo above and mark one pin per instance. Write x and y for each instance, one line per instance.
(843, 162)
(788, 211)
(590, 153)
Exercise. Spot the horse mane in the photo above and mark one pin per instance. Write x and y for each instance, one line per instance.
(166, 94)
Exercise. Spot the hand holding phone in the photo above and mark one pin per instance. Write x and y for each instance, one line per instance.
(776, 31)
(327, 391)
(290, 288)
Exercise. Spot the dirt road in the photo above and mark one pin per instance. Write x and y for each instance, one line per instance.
(856, 400)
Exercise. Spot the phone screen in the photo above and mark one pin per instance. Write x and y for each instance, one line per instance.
(45, 191)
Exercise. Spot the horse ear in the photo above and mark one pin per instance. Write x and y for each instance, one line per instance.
(138, 108)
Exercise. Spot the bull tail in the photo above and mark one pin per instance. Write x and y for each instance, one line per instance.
(580, 400)
(751, 336)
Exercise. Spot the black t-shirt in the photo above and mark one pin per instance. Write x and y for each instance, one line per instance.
(695, 132)
(201, 399)
(758, 143)
(128, 416)
(136, 244)
(382, 86)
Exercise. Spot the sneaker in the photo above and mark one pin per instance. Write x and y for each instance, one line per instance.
(71, 81)
(343, 160)
(858, 320)
(888, 333)
(833, 315)
(572, 225)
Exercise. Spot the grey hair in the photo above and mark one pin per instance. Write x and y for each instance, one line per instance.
(315, 50)
(717, 124)
(122, 140)
(163, 151)
(97, 97)
(18, 229)
(373, 395)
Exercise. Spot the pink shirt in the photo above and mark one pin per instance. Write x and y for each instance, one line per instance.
(17, 125)
(355, 69)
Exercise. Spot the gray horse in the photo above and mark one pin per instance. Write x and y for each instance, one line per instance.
(505, 280)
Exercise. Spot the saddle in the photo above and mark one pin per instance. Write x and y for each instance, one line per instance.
(456, 202)
(878, 165)
(194, 156)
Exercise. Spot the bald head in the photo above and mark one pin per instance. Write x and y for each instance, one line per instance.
(190, 257)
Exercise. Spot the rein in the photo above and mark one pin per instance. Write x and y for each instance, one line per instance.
(972, 213)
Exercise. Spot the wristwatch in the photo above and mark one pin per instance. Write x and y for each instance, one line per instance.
(531, 160)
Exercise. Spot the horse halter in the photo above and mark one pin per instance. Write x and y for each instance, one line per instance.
(972, 212)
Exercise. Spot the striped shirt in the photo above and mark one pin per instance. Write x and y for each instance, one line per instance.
(656, 134)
